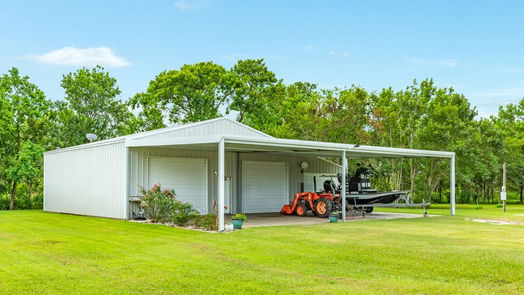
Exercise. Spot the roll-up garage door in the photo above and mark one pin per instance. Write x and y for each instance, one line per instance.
(187, 176)
(264, 186)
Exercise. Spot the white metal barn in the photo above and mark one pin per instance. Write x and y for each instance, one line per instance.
(241, 168)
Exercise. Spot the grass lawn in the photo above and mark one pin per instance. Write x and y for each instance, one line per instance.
(485, 211)
(46, 253)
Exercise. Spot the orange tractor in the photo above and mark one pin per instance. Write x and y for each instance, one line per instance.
(320, 204)
(359, 196)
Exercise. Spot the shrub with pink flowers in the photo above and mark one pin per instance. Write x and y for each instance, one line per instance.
(158, 203)
(161, 205)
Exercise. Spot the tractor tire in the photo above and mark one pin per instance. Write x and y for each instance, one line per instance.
(323, 207)
(301, 210)
(368, 209)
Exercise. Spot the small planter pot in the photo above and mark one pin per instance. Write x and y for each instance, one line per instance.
(333, 218)
(237, 223)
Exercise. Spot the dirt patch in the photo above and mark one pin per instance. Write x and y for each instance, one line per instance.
(496, 222)
(189, 227)
(51, 242)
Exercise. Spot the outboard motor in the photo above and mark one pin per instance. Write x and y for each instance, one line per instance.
(329, 187)
(360, 182)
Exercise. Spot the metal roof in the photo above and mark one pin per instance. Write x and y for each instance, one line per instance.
(164, 131)
(257, 141)
(288, 146)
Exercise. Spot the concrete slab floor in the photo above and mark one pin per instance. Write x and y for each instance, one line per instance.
(276, 219)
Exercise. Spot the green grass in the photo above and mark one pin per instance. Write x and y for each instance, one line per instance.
(45, 253)
(483, 211)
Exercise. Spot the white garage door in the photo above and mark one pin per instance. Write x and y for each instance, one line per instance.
(264, 186)
(187, 176)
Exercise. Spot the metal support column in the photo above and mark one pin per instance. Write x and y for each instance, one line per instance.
(221, 185)
(343, 185)
(127, 167)
(452, 185)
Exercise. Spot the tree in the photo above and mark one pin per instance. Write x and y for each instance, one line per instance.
(24, 123)
(252, 83)
(396, 119)
(91, 106)
(510, 121)
(291, 111)
(345, 115)
(27, 167)
(193, 93)
(448, 121)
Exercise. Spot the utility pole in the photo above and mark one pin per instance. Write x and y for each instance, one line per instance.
(503, 191)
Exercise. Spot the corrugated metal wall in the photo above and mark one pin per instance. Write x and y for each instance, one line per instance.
(88, 181)
(139, 161)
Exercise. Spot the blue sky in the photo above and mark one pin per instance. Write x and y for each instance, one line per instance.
(477, 47)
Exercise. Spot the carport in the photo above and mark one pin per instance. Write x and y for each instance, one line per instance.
(223, 144)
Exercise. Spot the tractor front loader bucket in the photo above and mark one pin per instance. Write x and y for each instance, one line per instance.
(286, 210)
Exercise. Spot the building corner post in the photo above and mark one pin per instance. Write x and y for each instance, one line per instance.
(127, 165)
(221, 184)
(452, 185)
(343, 184)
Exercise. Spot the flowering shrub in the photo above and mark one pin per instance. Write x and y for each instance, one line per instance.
(157, 203)
(161, 205)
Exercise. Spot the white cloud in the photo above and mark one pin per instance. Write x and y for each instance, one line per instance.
(449, 63)
(309, 47)
(190, 4)
(72, 56)
(338, 53)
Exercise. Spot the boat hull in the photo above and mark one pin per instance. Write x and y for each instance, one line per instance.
(374, 198)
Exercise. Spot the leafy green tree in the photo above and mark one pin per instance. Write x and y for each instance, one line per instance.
(253, 84)
(395, 122)
(24, 123)
(193, 93)
(447, 123)
(345, 115)
(288, 111)
(510, 121)
(26, 168)
(91, 105)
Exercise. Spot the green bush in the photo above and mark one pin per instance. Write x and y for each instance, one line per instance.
(207, 222)
(157, 203)
(183, 213)
(239, 216)
(37, 202)
(161, 205)
(4, 202)
(22, 201)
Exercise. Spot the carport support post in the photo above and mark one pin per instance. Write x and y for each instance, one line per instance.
(343, 184)
(221, 185)
(452, 185)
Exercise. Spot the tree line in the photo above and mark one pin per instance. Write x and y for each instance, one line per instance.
(420, 116)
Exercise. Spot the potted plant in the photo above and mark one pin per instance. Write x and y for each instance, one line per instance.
(333, 217)
(238, 220)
